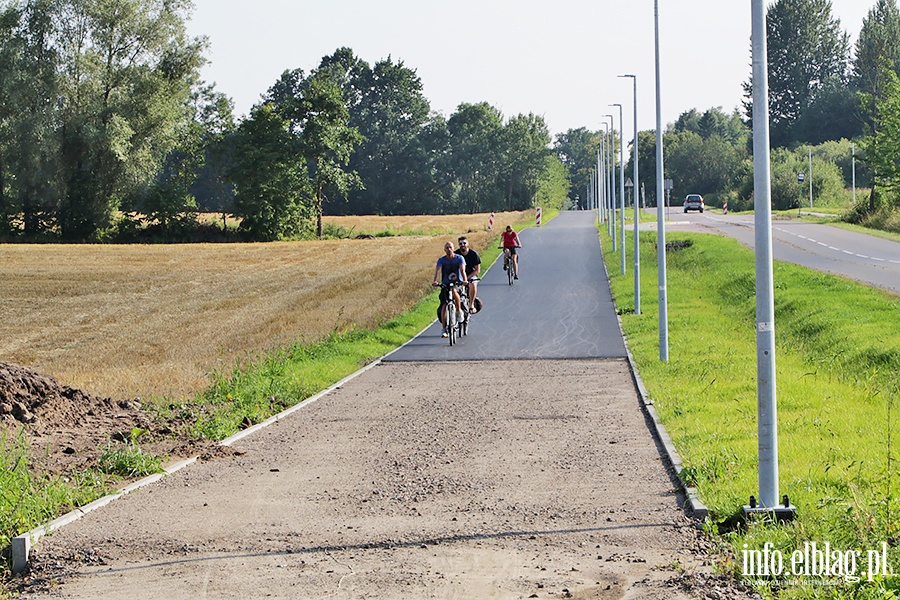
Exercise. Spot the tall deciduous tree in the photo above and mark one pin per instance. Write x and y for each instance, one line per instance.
(171, 198)
(577, 150)
(807, 52)
(388, 108)
(475, 140)
(525, 146)
(878, 46)
(882, 148)
(318, 115)
(95, 91)
(272, 186)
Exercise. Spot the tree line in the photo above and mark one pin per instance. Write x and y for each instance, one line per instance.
(107, 132)
(834, 113)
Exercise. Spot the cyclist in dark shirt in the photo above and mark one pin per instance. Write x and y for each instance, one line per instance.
(473, 268)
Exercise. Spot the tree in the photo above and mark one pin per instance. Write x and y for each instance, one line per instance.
(475, 141)
(316, 111)
(577, 150)
(729, 127)
(28, 148)
(553, 185)
(524, 147)
(129, 69)
(93, 94)
(807, 51)
(882, 148)
(710, 166)
(833, 113)
(390, 112)
(877, 47)
(326, 140)
(269, 174)
(170, 198)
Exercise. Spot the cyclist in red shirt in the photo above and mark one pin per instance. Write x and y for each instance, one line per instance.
(509, 241)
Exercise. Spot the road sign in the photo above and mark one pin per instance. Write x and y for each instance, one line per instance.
(801, 177)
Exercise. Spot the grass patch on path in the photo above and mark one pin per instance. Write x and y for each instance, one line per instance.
(837, 365)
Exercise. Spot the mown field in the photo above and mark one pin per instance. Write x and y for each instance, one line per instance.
(158, 320)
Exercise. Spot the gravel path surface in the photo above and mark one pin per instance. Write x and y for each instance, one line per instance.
(511, 479)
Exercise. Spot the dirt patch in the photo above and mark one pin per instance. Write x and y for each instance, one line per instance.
(67, 429)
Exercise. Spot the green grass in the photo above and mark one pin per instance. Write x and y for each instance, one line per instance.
(130, 461)
(838, 356)
(27, 501)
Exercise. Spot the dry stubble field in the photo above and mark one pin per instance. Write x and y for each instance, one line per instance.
(150, 320)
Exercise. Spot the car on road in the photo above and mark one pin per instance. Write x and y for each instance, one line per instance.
(693, 202)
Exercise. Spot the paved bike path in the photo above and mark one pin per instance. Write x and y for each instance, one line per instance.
(561, 307)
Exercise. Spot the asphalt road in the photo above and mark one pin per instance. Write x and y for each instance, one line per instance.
(865, 258)
(561, 306)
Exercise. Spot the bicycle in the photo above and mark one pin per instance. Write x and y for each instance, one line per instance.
(512, 272)
(466, 306)
(448, 309)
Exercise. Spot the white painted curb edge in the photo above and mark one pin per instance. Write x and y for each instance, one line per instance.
(692, 497)
(22, 544)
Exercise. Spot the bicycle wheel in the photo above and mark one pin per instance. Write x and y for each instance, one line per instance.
(464, 326)
(509, 271)
(451, 322)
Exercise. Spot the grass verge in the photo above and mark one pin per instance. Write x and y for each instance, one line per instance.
(28, 500)
(838, 356)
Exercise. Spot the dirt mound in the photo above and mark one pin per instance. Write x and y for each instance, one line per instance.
(39, 400)
(67, 428)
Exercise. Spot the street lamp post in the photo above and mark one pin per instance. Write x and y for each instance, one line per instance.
(637, 220)
(810, 179)
(601, 178)
(660, 211)
(611, 179)
(622, 181)
(765, 289)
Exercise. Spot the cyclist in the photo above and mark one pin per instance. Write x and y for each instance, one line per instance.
(509, 241)
(473, 268)
(450, 269)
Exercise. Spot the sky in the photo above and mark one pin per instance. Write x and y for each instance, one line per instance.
(558, 59)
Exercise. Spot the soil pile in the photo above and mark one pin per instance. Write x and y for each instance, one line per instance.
(67, 428)
(29, 398)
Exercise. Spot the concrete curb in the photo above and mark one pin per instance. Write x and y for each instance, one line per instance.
(21, 545)
(692, 498)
